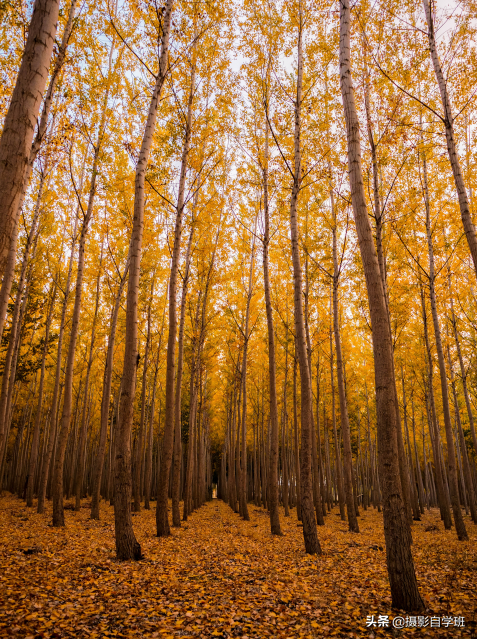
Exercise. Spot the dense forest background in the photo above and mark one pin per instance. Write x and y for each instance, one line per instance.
(239, 260)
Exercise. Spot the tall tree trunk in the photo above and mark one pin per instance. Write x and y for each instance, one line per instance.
(339, 471)
(105, 400)
(463, 371)
(378, 216)
(243, 425)
(272, 369)
(465, 469)
(444, 505)
(127, 546)
(404, 590)
(194, 376)
(468, 225)
(176, 485)
(97, 469)
(314, 460)
(84, 418)
(45, 469)
(142, 421)
(345, 430)
(414, 495)
(285, 478)
(312, 544)
(422, 496)
(296, 448)
(320, 454)
(21, 118)
(148, 469)
(451, 459)
(162, 517)
(30, 158)
(36, 429)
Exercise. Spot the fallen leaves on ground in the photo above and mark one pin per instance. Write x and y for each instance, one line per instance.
(220, 576)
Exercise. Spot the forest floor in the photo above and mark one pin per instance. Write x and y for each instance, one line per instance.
(219, 576)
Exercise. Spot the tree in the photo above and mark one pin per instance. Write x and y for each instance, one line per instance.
(402, 577)
(162, 519)
(449, 119)
(312, 545)
(20, 121)
(127, 547)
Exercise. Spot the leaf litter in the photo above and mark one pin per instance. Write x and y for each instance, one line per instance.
(220, 576)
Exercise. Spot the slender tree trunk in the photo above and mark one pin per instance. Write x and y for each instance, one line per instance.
(463, 372)
(79, 479)
(127, 546)
(140, 435)
(272, 370)
(36, 430)
(378, 216)
(286, 487)
(345, 430)
(444, 505)
(320, 454)
(231, 478)
(246, 336)
(296, 447)
(339, 471)
(162, 518)
(465, 469)
(187, 509)
(414, 495)
(45, 469)
(105, 400)
(312, 544)
(451, 459)
(314, 461)
(404, 590)
(189, 477)
(148, 470)
(176, 476)
(420, 485)
(468, 225)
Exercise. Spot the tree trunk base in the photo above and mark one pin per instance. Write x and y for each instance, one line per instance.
(127, 549)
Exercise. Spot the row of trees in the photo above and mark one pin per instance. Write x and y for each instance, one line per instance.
(185, 299)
